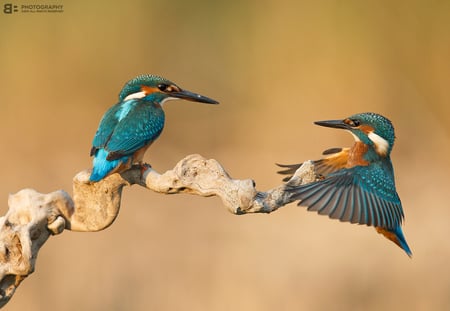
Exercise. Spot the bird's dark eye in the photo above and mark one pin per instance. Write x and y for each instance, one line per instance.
(356, 123)
(352, 123)
(163, 87)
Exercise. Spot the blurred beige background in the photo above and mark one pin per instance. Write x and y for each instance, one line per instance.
(275, 66)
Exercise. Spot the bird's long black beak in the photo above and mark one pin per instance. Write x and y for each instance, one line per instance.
(183, 94)
(339, 124)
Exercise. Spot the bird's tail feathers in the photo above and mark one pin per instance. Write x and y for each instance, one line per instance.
(396, 236)
(103, 167)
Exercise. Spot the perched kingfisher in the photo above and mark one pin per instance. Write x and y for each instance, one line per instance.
(357, 184)
(129, 127)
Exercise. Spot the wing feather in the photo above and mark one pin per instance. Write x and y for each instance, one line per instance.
(315, 196)
(334, 204)
(327, 203)
(105, 128)
(352, 202)
(344, 210)
(352, 195)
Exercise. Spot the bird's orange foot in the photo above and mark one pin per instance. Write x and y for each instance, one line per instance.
(144, 167)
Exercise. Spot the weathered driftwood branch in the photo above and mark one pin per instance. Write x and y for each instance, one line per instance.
(32, 217)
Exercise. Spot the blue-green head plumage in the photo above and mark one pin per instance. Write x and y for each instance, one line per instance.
(370, 122)
(158, 89)
(370, 128)
(137, 84)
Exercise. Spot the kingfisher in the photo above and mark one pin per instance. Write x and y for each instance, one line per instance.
(129, 127)
(356, 184)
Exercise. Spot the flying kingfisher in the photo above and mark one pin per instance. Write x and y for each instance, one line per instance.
(356, 184)
(129, 127)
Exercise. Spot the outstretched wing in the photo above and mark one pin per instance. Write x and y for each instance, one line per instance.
(336, 159)
(363, 195)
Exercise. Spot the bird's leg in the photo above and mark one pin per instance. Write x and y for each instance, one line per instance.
(142, 166)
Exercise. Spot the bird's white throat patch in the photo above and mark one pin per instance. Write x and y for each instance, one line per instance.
(381, 144)
(354, 136)
(140, 94)
(167, 99)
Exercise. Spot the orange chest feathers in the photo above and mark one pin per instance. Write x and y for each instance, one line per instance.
(355, 155)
